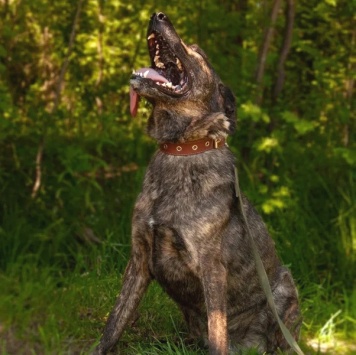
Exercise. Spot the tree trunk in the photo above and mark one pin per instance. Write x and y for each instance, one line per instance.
(100, 43)
(41, 146)
(349, 89)
(267, 39)
(287, 41)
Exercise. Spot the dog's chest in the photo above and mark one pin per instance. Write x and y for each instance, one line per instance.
(190, 199)
(175, 265)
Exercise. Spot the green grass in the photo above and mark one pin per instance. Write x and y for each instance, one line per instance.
(54, 314)
(57, 286)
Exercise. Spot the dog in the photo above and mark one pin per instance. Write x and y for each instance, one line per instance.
(187, 230)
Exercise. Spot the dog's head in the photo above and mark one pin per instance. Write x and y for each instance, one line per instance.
(180, 78)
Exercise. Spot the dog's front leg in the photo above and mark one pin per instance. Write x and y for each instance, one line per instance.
(215, 284)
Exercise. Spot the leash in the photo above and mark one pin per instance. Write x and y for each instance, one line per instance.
(263, 275)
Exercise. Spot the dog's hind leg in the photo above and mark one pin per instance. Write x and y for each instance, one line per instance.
(197, 325)
(136, 279)
(286, 300)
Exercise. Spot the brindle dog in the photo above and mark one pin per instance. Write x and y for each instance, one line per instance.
(187, 231)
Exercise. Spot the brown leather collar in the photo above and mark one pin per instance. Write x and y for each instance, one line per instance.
(192, 147)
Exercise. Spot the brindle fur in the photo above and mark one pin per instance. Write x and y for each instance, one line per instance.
(187, 231)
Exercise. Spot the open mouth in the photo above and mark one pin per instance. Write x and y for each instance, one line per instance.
(166, 69)
(166, 72)
(166, 63)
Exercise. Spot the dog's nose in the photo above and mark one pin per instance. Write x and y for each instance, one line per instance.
(159, 22)
(160, 16)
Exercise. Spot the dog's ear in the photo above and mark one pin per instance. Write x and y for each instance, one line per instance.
(229, 103)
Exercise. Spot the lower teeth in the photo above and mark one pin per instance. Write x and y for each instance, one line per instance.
(168, 85)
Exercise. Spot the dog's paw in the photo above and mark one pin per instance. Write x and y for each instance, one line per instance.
(220, 125)
(215, 125)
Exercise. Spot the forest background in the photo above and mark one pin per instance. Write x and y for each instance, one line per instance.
(72, 160)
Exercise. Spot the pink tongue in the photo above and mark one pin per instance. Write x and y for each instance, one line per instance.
(148, 73)
(134, 98)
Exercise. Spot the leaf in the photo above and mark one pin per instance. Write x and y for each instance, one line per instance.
(300, 125)
(279, 200)
(348, 154)
(267, 144)
(331, 2)
(254, 112)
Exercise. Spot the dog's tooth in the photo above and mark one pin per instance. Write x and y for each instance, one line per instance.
(145, 73)
(169, 84)
(158, 62)
(158, 83)
(152, 35)
(179, 64)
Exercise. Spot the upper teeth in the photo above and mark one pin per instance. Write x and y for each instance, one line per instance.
(157, 59)
(158, 62)
(179, 64)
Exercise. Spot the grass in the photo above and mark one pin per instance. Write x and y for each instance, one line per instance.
(46, 313)
(58, 283)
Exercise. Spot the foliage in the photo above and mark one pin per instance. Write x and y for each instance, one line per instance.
(61, 245)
